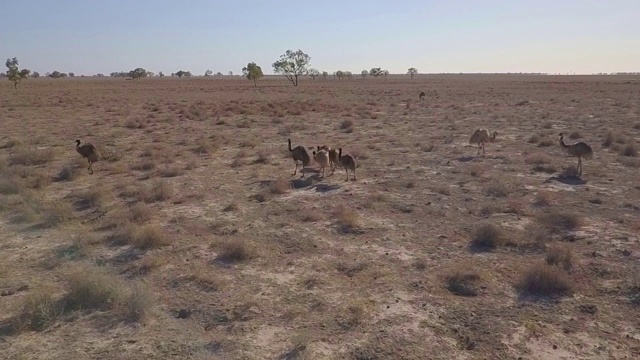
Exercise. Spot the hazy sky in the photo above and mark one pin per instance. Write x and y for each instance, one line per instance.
(89, 36)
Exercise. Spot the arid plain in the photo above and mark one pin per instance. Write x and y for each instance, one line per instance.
(193, 239)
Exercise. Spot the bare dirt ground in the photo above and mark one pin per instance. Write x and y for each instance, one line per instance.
(193, 240)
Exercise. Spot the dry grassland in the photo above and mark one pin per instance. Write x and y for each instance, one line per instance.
(193, 240)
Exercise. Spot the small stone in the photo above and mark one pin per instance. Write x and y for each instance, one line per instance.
(555, 347)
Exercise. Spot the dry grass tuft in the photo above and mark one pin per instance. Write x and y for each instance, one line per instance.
(94, 197)
(91, 287)
(310, 216)
(487, 237)
(463, 282)
(546, 143)
(137, 305)
(560, 255)
(352, 316)
(39, 310)
(279, 187)
(140, 213)
(56, 213)
(609, 138)
(159, 191)
(149, 236)
(557, 222)
(545, 280)
(236, 250)
(170, 171)
(31, 157)
(347, 125)
(348, 220)
(68, 173)
(497, 189)
(533, 139)
(629, 149)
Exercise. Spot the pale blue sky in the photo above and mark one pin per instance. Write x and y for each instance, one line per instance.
(88, 37)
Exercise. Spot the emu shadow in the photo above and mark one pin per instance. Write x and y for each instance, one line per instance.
(567, 180)
(322, 188)
(466, 158)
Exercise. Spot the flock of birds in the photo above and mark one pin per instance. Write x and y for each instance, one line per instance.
(332, 158)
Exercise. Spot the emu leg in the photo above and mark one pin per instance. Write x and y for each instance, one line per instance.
(354, 174)
(483, 152)
(296, 170)
(347, 171)
(579, 167)
(478, 149)
(90, 168)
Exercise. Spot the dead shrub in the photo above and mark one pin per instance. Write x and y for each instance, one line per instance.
(170, 171)
(546, 143)
(560, 255)
(537, 159)
(138, 303)
(11, 143)
(533, 139)
(310, 216)
(629, 149)
(201, 275)
(68, 173)
(346, 125)
(92, 287)
(463, 282)
(557, 222)
(234, 251)
(231, 207)
(547, 125)
(487, 237)
(94, 197)
(347, 219)
(497, 189)
(140, 213)
(149, 236)
(39, 310)
(204, 146)
(56, 213)
(145, 165)
(279, 187)
(630, 162)
(543, 198)
(31, 157)
(159, 191)
(545, 280)
(10, 185)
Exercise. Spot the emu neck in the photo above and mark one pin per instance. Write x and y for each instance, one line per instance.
(562, 143)
(290, 149)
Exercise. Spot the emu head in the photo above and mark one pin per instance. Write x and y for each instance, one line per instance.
(77, 142)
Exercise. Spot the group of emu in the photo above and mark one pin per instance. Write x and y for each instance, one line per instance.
(328, 157)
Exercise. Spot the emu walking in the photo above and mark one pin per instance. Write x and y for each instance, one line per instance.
(579, 150)
(299, 153)
(482, 136)
(89, 152)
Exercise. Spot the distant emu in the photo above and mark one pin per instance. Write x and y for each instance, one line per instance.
(422, 95)
(89, 152)
(579, 150)
(482, 136)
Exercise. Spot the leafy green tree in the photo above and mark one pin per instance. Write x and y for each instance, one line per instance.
(15, 75)
(364, 74)
(72, 74)
(348, 75)
(35, 75)
(292, 64)
(208, 73)
(385, 73)
(339, 74)
(313, 73)
(412, 72)
(252, 72)
(55, 75)
(325, 75)
(180, 74)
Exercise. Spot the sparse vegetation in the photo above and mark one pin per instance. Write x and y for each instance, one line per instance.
(560, 255)
(545, 280)
(463, 282)
(487, 237)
